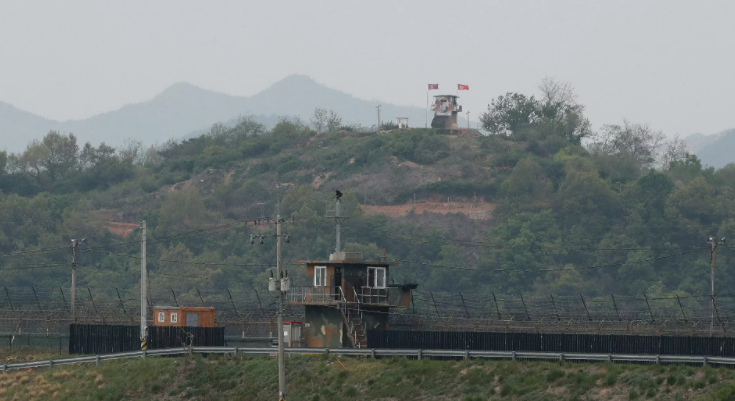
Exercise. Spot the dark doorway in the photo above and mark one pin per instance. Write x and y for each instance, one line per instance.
(337, 282)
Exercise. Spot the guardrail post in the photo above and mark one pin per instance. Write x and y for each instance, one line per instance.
(372, 353)
(658, 359)
(513, 356)
(50, 365)
(704, 361)
(5, 368)
(466, 354)
(97, 360)
(561, 357)
(419, 354)
(609, 358)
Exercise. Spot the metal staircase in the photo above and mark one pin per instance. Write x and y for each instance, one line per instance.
(352, 316)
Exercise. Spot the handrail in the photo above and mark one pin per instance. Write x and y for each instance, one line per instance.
(387, 352)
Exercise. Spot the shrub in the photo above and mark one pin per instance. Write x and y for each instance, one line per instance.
(554, 375)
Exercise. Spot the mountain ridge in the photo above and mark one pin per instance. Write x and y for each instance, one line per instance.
(183, 108)
(714, 150)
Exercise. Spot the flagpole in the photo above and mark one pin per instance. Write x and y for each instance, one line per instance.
(427, 108)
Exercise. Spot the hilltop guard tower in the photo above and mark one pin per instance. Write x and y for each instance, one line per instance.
(346, 296)
(445, 109)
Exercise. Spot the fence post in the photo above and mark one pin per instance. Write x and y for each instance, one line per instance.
(497, 308)
(434, 302)
(681, 308)
(617, 312)
(649, 307)
(528, 317)
(585, 308)
(558, 318)
(144, 354)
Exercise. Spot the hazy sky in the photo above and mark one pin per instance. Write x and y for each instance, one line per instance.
(667, 63)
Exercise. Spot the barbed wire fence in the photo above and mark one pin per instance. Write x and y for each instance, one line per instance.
(251, 312)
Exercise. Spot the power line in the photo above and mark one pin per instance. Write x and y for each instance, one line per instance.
(549, 270)
(187, 261)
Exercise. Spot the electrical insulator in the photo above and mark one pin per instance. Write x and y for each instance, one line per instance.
(285, 284)
(272, 285)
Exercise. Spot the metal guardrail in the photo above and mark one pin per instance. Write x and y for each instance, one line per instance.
(383, 352)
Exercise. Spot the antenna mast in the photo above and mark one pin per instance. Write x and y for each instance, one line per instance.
(336, 214)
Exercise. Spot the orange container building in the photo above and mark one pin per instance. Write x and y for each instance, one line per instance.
(183, 316)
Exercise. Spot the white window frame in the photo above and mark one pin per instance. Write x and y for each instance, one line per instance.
(379, 271)
(320, 276)
(161, 317)
(174, 317)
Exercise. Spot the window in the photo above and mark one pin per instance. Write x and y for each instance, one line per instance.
(161, 317)
(320, 276)
(174, 317)
(376, 277)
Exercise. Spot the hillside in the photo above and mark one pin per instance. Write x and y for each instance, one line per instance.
(184, 108)
(317, 379)
(529, 210)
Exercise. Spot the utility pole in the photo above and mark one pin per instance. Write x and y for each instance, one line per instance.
(143, 289)
(713, 253)
(378, 129)
(279, 274)
(280, 284)
(74, 245)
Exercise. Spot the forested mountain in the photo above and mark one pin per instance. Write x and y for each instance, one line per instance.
(184, 108)
(526, 208)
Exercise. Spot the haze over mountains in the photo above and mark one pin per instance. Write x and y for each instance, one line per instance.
(715, 150)
(184, 108)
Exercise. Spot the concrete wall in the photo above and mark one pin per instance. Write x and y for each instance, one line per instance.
(324, 327)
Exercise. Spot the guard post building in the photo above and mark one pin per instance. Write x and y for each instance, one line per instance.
(346, 296)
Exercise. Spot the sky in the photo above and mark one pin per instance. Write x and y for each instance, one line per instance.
(665, 63)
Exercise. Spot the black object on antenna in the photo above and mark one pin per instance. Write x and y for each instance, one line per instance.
(338, 194)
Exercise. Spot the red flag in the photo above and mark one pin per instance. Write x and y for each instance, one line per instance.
(463, 87)
(433, 86)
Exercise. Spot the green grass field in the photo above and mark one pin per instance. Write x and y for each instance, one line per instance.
(323, 378)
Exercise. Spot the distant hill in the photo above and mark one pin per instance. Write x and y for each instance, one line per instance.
(18, 127)
(713, 150)
(184, 108)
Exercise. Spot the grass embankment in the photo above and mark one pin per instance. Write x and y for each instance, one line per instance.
(315, 378)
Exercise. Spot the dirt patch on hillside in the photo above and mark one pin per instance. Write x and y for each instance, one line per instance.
(123, 229)
(473, 210)
(319, 180)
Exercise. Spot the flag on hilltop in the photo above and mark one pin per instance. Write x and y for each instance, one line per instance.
(461, 87)
(433, 86)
